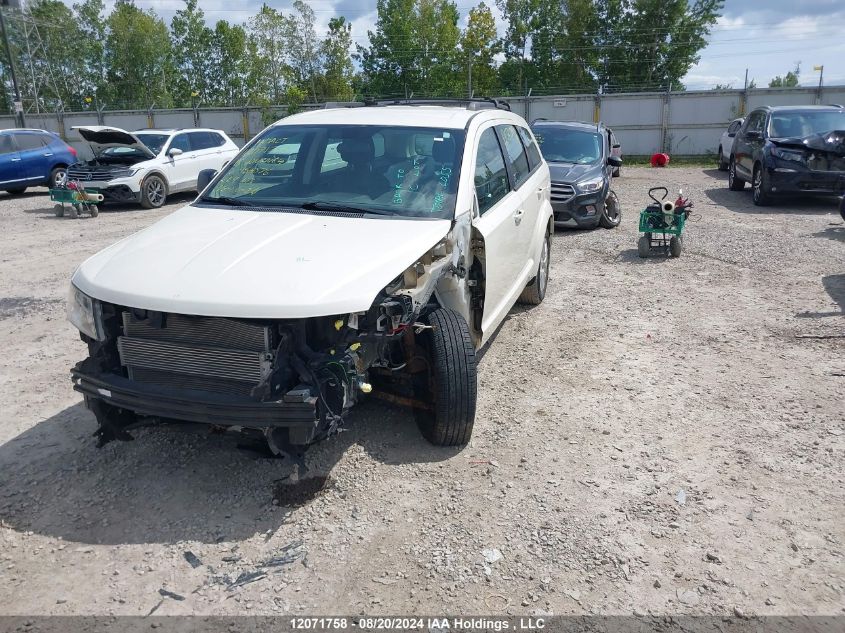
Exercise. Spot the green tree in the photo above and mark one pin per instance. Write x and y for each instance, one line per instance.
(414, 49)
(90, 49)
(652, 44)
(304, 47)
(521, 23)
(270, 30)
(788, 81)
(137, 58)
(236, 68)
(191, 44)
(480, 45)
(339, 71)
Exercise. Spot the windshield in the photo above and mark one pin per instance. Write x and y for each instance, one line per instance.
(405, 171)
(561, 145)
(153, 141)
(801, 124)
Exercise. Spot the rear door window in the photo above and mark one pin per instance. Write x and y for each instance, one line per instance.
(491, 176)
(531, 149)
(515, 154)
(200, 140)
(6, 145)
(28, 142)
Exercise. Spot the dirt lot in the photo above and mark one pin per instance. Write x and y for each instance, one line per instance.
(660, 436)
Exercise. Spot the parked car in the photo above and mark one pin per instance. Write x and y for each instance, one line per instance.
(790, 150)
(615, 150)
(726, 143)
(382, 252)
(148, 165)
(581, 165)
(32, 158)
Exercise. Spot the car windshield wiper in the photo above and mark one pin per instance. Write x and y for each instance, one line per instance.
(338, 206)
(234, 202)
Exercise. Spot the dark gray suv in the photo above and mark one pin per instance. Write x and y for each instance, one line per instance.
(581, 166)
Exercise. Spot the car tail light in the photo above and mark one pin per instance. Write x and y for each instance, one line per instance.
(72, 150)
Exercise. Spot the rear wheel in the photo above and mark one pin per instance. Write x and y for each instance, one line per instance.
(450, 387)
(535, 292)
(59, 210)
(675, 246)
(153, 192)
(94, 210)
(735, 183)
(612, 214)
(723, 163)
(58, 177)
(16, 191)
(761, 187)
(643, 246)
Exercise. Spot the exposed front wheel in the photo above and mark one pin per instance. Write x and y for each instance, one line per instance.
(643, 246)
(450, 387)
(735, 183)
(612, 214)
(761, 188)
(535, 292)
(153, 192)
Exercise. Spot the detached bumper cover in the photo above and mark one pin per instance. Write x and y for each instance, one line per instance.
(193, 406)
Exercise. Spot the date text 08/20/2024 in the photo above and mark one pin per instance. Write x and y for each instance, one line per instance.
(432, 624)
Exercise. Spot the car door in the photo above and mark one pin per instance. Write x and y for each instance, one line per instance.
(35, 161)
(746, 145)
(178, 169)
(220, 153)
(728, 138)
(204, 150)
(11, 175)
(500, 215)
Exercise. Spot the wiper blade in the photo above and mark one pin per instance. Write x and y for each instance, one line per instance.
(234, 202)
(337, 206)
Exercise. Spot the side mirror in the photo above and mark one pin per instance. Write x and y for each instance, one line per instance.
(174, 151)
(616, 145)
(205, 177)
(731, 134)
(754, 135)
(614, 161)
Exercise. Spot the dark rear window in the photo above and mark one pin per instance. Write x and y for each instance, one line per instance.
(29, 141)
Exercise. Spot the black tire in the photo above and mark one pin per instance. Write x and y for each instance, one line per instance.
(534, 293)
(59, 210)
(723, 164)
(153, 192)
(675, 246)
(617, 172)
(57, 177)
(761, 188)
(16, 191)
(72, 211)
(451, 384)
(643, 246)
(611, 219)
(735, 183)
(94, 210)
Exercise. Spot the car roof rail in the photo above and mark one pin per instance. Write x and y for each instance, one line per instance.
(330, 105)
(836, 105)
(470, 104)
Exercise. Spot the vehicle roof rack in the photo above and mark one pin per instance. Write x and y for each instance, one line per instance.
(469, 104)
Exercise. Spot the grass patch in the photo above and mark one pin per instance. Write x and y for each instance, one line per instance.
(706, 160)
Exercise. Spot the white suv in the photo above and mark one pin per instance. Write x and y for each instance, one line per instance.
(343, 251)
(148, 165)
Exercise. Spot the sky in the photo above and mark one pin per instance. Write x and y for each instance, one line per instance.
(768, 38)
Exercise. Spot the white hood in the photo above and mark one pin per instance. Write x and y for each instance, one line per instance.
(253, 264)
(102, 137)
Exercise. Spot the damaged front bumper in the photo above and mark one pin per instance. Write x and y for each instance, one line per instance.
(203, 407)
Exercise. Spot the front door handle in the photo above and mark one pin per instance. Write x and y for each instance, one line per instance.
(517, 216)
(16, 160)
(48, 154)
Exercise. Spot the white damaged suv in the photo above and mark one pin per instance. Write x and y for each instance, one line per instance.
(148, 165)
(343, 252)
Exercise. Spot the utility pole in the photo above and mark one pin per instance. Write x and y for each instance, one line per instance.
(821, 80)
(19, 115)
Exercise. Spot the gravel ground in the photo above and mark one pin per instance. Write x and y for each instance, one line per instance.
(659, 436)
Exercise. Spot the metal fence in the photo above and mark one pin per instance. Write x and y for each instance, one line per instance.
(683, 123)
